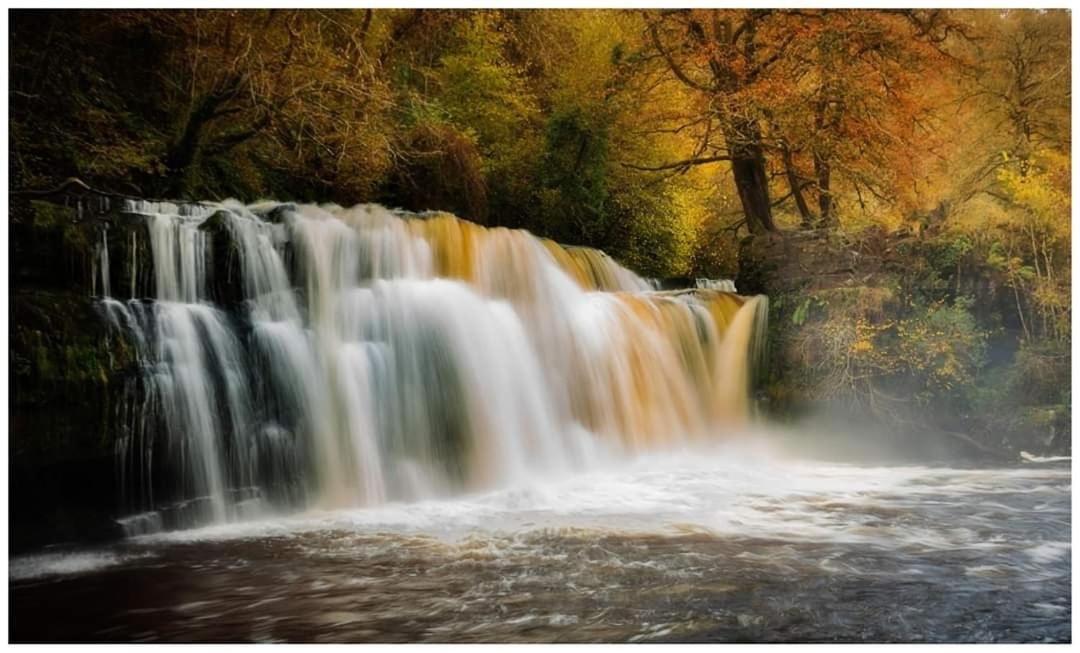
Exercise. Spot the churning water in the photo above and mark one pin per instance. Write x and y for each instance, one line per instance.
(362, 425)
(720, 544)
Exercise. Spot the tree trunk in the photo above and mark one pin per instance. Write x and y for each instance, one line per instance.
(823, 171)
(184, 152)
(753, 193)
(748, 168)
(796, 188)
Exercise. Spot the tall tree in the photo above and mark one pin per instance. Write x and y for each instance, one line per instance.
(825, 93)
(724, 56)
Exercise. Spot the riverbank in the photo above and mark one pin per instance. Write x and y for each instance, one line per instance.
(870, 331)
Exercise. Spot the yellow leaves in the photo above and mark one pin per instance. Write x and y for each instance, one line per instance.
(1040, 191)
(862, 346)
(865, 349)
(937, 347)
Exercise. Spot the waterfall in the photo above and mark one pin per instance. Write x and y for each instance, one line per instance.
(299, 355)
(103, 262)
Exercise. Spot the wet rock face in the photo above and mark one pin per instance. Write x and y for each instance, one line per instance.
(50, 247)
(805, 261)
(792, 267)
(56, 244)
(820, 283)
(70, 371)
(131, 268)
(67, 369)
(63, 356)
(226, 288)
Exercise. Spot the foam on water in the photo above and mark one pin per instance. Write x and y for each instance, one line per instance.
(730, 543)
(63, 564)
(1032, 458)
(1048, 552)
(738, 490)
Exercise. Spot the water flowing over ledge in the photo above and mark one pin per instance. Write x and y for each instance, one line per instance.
(299, 355)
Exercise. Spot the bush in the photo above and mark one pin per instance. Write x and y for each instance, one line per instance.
(942, 347)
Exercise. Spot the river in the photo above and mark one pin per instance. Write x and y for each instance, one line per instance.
(733, 543)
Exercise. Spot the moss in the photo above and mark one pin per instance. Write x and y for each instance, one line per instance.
(54, 219)
(76, 240)
(51, 246)
(66, 364)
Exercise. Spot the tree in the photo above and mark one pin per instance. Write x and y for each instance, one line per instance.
(844, 89)
(206, 97)
(304, 79)
(1017, 94)
(724, 56)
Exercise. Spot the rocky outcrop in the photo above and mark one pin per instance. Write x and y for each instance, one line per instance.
(780, 263)
(67, 373)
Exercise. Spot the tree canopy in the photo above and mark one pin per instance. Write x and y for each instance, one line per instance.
(659, 135)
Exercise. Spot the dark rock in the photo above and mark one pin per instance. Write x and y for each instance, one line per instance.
(277, 214)
(67, 367)
(225, 280)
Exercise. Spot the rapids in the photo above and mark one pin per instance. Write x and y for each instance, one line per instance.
(298, 356)
(730, 542)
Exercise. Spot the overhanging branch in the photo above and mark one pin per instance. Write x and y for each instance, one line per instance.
(685, 164)
(678, 71)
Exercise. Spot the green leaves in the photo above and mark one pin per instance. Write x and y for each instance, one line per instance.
(799, 316)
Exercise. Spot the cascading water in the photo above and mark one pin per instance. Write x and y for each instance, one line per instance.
(303, 355)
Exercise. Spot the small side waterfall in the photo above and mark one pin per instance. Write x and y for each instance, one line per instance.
(321, 356)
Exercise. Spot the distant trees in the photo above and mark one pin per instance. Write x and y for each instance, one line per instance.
(504, 117)
(303, 81)
(1016, 96)
(1011, 196)
(652, 134)
(295, 89)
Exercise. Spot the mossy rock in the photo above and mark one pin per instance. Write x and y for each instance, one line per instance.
(68, 370)
(277, 214)
(46, 214)
(51, 246)
(66, 364)
(225, 283)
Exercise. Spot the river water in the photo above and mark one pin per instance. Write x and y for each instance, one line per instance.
(737, 543)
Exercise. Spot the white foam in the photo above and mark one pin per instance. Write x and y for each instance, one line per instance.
(731, 491)
(1048, 552)
(63, 564)
(1032, 458)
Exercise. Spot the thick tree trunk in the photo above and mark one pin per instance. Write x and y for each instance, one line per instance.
(824, 126)
(184, 152)
(753, 188)
(751, 180)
